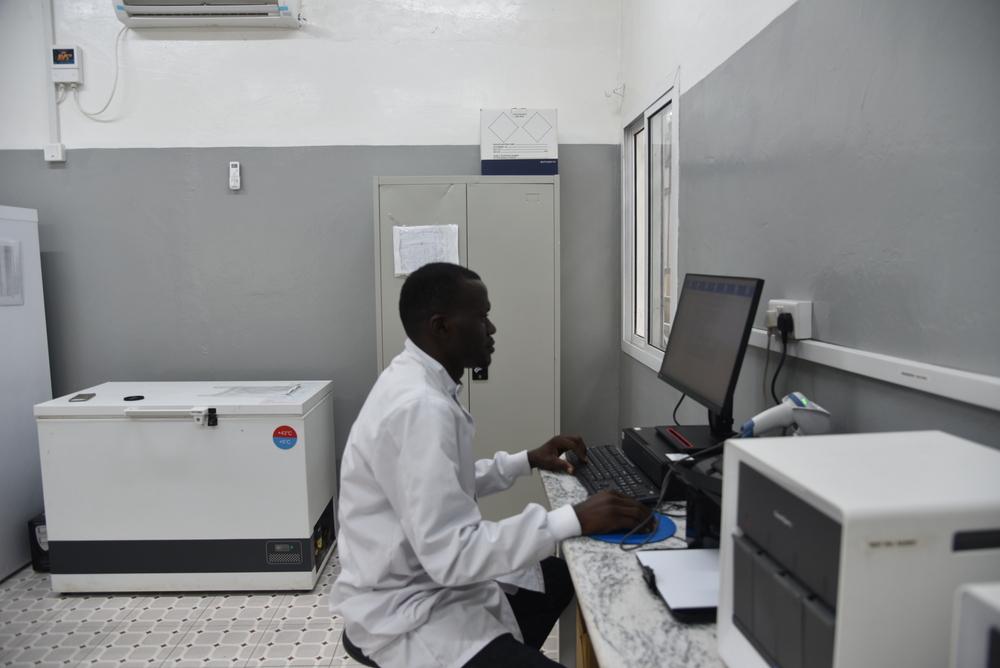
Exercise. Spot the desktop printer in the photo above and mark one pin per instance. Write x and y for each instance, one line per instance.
(847, 550)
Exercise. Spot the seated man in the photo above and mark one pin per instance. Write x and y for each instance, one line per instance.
(421, 570)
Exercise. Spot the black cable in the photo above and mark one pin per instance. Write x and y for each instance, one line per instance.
(785, 325)
(767, 364)
(652, 515)
(699, 454)
(781, 362)
(678, 405)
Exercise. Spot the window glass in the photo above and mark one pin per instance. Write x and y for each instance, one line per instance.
(659, 225)
(641, 237)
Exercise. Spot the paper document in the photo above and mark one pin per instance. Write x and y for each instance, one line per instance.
(685, 579)
(413, 247)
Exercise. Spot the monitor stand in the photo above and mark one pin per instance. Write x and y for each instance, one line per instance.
(689, 439)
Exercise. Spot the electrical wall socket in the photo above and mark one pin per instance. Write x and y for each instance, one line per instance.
(801, 316)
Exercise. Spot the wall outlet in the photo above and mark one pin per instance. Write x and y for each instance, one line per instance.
(801, 316)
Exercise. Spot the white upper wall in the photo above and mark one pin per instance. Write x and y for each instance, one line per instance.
(658, 36)
(360, 72)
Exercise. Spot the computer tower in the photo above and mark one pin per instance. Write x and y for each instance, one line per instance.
(652, 455)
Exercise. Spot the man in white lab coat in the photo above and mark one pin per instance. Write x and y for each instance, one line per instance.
(425, 580)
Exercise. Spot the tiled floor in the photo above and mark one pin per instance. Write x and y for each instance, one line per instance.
(40, 628)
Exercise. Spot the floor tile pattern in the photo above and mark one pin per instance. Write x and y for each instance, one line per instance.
(41, 629)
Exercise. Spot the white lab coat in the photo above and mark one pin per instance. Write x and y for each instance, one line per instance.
(419, 565)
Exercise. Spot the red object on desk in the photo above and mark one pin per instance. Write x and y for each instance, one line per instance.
(683, 441)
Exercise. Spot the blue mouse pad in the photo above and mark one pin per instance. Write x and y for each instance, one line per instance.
(665, 528)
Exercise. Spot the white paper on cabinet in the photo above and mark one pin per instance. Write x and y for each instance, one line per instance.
(413, 247)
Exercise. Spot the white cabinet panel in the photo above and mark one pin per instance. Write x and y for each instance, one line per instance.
(512, 245)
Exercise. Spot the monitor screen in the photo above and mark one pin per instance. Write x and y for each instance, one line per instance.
(708, 337)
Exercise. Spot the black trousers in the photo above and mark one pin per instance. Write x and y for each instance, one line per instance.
(536, 615)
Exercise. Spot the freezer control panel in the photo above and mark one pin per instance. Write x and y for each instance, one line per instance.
(284, 553)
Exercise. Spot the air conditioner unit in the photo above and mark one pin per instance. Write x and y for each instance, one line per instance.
(198, 13)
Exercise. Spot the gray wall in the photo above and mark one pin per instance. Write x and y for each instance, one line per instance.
(154, 270)
(850, 154)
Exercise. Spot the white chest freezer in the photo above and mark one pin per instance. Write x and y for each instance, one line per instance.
(189, 486)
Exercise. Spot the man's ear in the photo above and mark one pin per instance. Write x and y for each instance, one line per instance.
(438, 325)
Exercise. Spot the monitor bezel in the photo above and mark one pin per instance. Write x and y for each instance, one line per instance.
(726, 408)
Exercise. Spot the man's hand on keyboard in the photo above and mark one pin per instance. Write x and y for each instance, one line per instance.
(547, 456)
(606, 511)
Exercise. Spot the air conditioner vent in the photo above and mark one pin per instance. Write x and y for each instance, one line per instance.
(208, 13)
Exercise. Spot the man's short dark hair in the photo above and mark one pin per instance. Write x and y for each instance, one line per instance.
(434, 288)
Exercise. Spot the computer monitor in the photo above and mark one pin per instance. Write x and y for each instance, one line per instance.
(708, 339)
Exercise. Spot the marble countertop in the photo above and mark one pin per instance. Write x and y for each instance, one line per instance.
(628, 624)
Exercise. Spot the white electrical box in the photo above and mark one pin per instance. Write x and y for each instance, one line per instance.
(234, 175)
(801, 312)
(66, 64)
(55, 152)
(189, 486)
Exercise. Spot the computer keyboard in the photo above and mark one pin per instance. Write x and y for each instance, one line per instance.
(609, 468)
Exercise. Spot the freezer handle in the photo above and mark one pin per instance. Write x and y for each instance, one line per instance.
(199, 414)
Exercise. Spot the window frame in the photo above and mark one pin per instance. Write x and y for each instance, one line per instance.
(638, 347)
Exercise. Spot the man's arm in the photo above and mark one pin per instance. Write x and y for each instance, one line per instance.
(498, 474)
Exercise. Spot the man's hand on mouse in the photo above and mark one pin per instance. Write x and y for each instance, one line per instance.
(609, 511)
(547, 456)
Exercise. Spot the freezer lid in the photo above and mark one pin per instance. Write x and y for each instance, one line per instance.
(244, 398)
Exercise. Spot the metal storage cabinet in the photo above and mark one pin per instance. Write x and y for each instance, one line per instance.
(509, 235)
